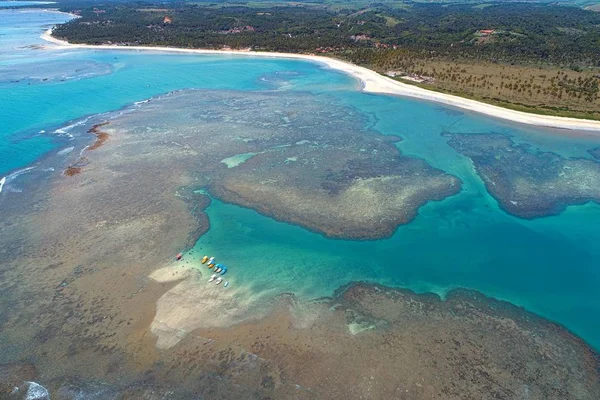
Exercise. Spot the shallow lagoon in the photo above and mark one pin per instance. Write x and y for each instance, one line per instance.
(548, 265)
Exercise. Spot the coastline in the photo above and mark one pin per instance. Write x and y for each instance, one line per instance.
(372, 82)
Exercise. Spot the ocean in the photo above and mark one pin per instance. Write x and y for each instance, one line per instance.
(549, 265)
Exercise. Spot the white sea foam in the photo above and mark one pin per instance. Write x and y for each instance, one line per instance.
(9, 178)
(17, 173)
(65, 129)
(66, 151)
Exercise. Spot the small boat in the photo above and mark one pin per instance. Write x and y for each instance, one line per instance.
(211, 265)
(219, 280)
(212, 278)
(217, 269)
(204, 259)
(210, 260)
(178, 256)
(223, 270)
(226, 284)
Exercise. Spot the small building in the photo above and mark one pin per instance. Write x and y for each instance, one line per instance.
(167, 20)
(486, 32)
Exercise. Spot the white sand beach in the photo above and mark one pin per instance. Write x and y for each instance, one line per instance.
(372, 82)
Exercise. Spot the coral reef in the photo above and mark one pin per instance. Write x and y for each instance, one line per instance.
(528, 183)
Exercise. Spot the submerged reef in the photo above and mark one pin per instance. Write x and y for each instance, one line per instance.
(595, 152)
(528, 183)
(53, 71)
(291, 157)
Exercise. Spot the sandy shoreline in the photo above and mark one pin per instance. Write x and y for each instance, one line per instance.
(373, 83)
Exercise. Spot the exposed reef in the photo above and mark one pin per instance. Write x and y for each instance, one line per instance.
(528, 183)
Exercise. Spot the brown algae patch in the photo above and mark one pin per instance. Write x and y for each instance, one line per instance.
(71, 171)
(101, 136)
(527, 183)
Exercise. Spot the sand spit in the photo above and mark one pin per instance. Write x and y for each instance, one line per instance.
(195, 303)
(372, 82)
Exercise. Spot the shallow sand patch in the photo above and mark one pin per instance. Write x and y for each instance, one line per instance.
(195, 303)
(238, 159)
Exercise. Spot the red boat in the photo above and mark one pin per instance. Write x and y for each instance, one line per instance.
(178, 256)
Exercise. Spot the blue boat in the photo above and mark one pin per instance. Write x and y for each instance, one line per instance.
(223, 270)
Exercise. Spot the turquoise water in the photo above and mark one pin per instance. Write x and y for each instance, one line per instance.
(549, 265)
(7, 4)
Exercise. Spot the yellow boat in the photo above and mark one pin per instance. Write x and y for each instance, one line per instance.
(211, 265)
(204, 259)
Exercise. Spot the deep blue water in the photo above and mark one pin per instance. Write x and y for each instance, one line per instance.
(548, 265)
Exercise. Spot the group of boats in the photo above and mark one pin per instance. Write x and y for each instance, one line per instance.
(219, 269)
(210, 262)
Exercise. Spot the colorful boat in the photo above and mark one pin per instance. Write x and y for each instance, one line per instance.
(219, 268)
(179, 256)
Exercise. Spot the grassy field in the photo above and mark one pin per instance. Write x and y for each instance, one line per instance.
(543, 90)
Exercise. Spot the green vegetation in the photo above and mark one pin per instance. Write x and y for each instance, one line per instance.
(542, 58)
(521, 32)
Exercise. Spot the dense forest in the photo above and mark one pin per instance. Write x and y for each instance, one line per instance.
(521, 32)
(534, 57)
